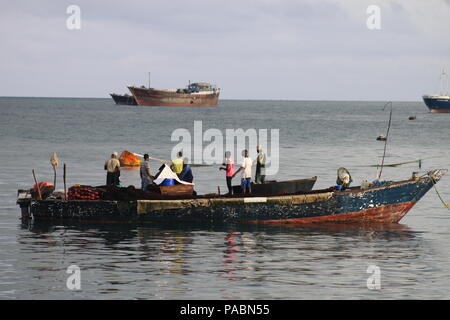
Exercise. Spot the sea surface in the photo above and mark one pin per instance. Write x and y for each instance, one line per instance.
(231, 261)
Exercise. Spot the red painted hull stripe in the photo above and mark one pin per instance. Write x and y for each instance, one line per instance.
(388, 214)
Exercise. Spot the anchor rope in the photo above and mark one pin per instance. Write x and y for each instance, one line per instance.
(446, 205)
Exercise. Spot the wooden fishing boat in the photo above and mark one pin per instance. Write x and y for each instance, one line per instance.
(280, 187)
(385, 202)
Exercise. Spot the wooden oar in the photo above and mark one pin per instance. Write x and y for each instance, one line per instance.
(37, 185)
(64, 180)
(151, 158)
(169, 161)
(400, 163)
(395, 164)
(54, 162)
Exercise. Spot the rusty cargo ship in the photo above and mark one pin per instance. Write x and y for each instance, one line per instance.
(198, 94)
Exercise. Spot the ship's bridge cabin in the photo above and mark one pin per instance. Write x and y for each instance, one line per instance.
(201, 86)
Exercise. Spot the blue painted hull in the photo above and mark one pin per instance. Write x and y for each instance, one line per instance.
(383, 204)
(437, 105)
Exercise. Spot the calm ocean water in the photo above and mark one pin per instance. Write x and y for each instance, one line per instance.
(232, 261)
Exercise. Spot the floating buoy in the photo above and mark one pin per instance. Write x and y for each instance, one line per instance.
(381, 138)
(412, 118)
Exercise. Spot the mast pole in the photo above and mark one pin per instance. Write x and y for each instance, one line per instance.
(386, 141)
(444, 82)
(149, 81)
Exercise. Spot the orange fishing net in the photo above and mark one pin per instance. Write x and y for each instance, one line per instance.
(129, 159)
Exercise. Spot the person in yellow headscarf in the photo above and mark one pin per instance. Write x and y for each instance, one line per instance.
(177, 163)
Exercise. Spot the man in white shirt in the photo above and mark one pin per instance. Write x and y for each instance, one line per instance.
(112, 167)
(246, 168)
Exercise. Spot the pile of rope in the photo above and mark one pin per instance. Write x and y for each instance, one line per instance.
(84, 193)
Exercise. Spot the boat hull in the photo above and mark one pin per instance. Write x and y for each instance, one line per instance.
(155, 97)
(384, 214)
(385, 204)
(123, 99)
(437, 104)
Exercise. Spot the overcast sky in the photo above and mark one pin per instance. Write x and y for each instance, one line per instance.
(252, 49)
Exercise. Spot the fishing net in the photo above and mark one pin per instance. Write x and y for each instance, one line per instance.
(84, 193)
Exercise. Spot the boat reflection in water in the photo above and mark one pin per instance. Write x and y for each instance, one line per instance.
(168, 262)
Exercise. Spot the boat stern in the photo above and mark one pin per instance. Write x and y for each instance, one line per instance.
(23, 201)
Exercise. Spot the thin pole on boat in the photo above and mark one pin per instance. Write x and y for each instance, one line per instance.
(444, 82)
(149, 80)
(387, 137)
(54, 162)
(170, 161)
(37, 185)
(64, 180)
(151, 158)
(54, 177)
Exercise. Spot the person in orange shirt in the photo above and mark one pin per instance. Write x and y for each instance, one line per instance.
(228, 166)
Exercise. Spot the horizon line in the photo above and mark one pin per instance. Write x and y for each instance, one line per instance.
(243, 99)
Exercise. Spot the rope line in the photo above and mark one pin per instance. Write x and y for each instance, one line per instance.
(446, 205)
(386, 141)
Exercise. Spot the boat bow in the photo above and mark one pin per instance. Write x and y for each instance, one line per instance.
(437, 174)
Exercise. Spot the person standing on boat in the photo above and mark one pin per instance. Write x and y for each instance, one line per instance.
(112, 167)
(343, 178)
(186, 173)
(177, 164)
(228, 166)
(260, 174)
(246, 168)
(146, 176)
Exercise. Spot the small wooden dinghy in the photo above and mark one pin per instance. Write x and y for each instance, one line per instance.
(280, 187)
(174, 190)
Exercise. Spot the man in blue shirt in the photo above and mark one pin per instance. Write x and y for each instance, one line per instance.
(146, 176)
(186, 173)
